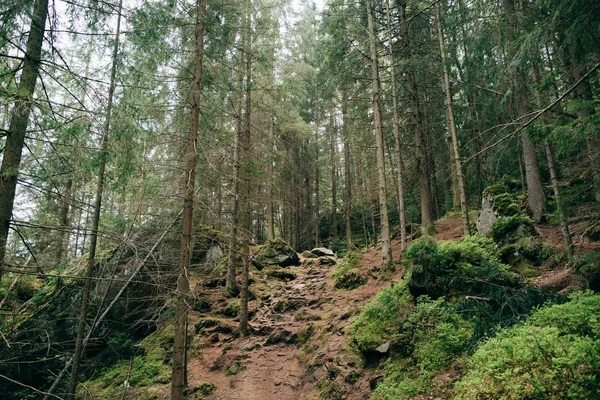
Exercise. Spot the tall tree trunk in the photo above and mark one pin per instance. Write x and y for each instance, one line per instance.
(333, 140)
(564, 227)
(386, 248)
(79, 347)
(452, 126)
(246, 221)
(536, 198)
(347, 178)
(178, 377)
(317, 199)
(15, 137)
(230, 280)
(270, 225)
(427, 225)
(399, 161)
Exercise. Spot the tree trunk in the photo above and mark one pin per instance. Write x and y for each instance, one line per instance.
(270, 225)
(536, 198)
(317, 199)
(178, 378)
(452, 126)
(230, 279)
(564, 227)
(386, 248)
(15, 137)
(246, 221)
(399, 161)
(427, 225)
(78, 354)
(347, 178)
(333, 140)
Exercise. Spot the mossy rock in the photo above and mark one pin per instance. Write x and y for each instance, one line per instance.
(275, 252)
(288, 305)
(205, 324)
(305, 333)
(280, 273)
(204, 389)
(327, 261)
(309, 254)
(350, 280)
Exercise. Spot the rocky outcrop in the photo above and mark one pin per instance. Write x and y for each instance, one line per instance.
(275, 252)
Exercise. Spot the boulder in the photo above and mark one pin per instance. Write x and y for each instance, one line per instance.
(487, 216)
(327, 261)
(309, 254)
(322, 252)
(275, 252)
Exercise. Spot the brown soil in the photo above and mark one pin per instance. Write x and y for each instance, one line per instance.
(300, 342)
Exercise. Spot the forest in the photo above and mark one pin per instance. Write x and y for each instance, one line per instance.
(260, 199)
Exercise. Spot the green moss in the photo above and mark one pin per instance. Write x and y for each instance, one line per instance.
(277, 272)
(346, 275)
(504, 227)
(554, 355)
(435, 333)
(380, 319)
(204, 389)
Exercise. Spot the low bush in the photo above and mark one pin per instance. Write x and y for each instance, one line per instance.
(381, 319)
(554, 355)
(434, 333)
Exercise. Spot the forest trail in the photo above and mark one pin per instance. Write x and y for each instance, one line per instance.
(300, 330)
(272, 363)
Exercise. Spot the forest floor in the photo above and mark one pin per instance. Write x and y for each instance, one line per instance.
(300, 337)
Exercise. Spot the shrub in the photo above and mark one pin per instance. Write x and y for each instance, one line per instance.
(532, 362)
(554, 355)
(382, 317)
(435, 333)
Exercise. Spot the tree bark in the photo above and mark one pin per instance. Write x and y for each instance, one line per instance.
(230, 280)
(333, 140)
(178, 377)
(536, 198)
(15, 137)
(564, 227)
(246, 221)
(386, 249)
(399, 162)
(347, 178)
(452, 127)
(270, 225)
(317, 198)
(78, 354)
(427, 225)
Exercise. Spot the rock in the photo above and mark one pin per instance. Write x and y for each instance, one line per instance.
(275, 252)
(327, 261)
(309, 254)
(322, 252)
(214, 338)
(487, 216)
(384, 348)
(281, 335)
(350, 280)
(249, 346)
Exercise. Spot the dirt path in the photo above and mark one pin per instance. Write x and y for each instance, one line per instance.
(299, 326)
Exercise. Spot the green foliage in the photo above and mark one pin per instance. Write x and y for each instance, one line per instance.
(381, 319)
(554, 355)
(345, 274)
(589, 264)
(435, 334)
(401, 382)
(504, 227)
(474, 257)
(146, 370)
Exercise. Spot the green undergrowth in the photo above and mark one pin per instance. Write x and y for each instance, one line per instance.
(381, 318)
(485, 335)
(149, 368)
(346, 275)
(553, 355)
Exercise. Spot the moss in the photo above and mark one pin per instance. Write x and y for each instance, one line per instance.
(235, 367)
(279, 273)
(204, 389)
(346, 275)
(380, 319)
